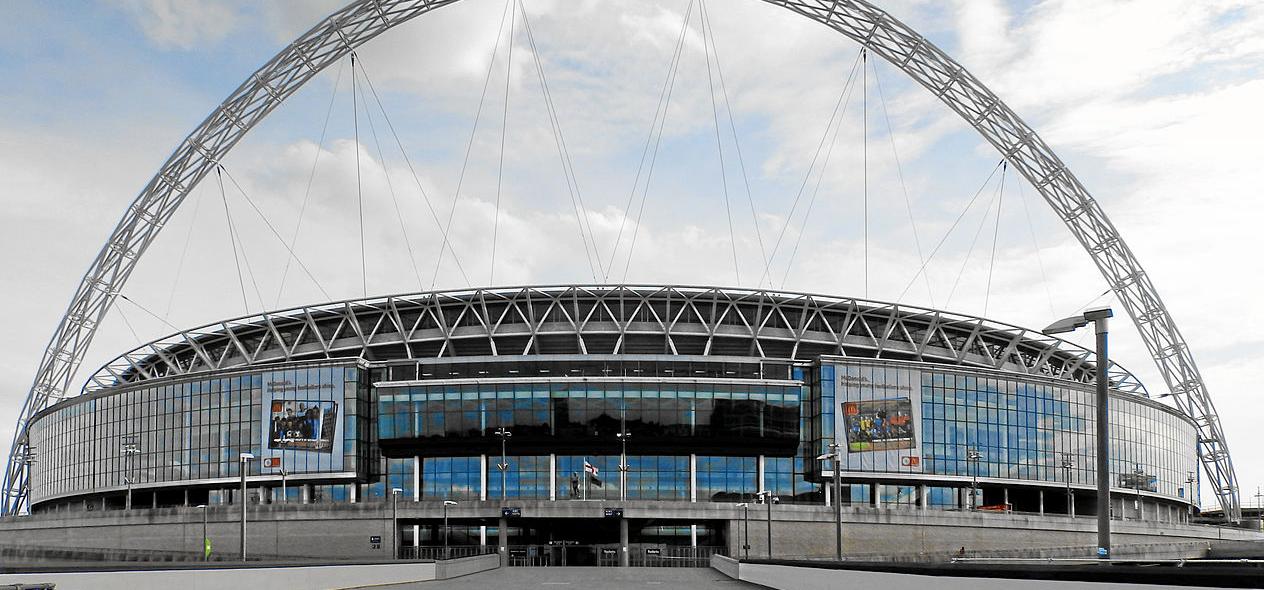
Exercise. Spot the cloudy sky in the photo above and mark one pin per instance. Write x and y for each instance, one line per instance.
(1153, 104)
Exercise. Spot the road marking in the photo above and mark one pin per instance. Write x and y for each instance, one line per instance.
(555, 583)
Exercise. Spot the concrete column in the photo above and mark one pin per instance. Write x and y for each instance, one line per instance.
(693, 535)
(1042, 502)
(503, 540)
(482, 535)
(875, 495)
(624, 557)
(759, 474)
(829, 492)
(923, 497)
(416, 481)
(417, 535)
(1005, 498)
(482, 477)
(552, 476)
(693, 477)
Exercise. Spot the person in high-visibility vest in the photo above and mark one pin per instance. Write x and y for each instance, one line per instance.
(206, 548)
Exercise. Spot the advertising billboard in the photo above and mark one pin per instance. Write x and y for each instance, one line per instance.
(302, 424)
(303, 418)
(878, 411)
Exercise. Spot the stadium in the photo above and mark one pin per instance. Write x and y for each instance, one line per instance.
(705, 395)
(610, 424)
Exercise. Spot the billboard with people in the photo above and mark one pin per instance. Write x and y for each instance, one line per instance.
(878, 410)
(303, 418)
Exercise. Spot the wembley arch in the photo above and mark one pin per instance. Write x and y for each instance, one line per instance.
(882, 34)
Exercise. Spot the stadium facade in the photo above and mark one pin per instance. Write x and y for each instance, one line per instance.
(714, 394)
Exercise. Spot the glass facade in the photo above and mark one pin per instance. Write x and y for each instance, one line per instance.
(908, 428)
(188, 431)
(1023, 428)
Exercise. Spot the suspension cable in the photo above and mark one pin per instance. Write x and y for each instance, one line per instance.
(184, 251)
(664, 100)
(355, 120)
(737, 144)
(146, 310)
(996, 232)
(311, 177)
(478, 113)
(276, 234)
(1040, 263)
(719, 146)
(368, 80)
(899, 172)
(864, 144)
(836, 121)
(806, 177)
(232, 228)
(232, 239)
(504, 128)
(390, 187)
(921, 269)
(974, 241)
(563, 153)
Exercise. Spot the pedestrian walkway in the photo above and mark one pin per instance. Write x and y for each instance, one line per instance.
(567, 578)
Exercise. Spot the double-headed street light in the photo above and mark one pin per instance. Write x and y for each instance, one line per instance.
(834, 456)
(1067, 465)
(1189, 481)
(503, 466)
(623, 464)
(446, 503)
(129, 449)
(1099, 317)
(745, 529)
(245, 458)
(973, 456)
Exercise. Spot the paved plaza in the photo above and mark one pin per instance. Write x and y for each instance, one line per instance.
(607, 578)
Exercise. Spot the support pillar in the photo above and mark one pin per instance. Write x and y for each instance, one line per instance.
(923, 497)
(624, 556)
(693, 478)
(552, 476)
(1042, 502)
(829, 493)
(502, 543)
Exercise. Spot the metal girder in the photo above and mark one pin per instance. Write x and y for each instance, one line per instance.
(361, 20)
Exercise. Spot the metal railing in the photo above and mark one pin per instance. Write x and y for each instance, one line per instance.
(440, 553)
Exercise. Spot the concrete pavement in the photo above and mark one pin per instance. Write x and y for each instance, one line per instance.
(577, 578)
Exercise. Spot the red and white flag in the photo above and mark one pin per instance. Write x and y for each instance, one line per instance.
(592, 472)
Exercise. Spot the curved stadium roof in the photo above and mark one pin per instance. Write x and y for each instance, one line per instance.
(606, 320)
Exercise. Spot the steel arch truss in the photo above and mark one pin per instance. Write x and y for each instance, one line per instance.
(879, 32)
(606, 320)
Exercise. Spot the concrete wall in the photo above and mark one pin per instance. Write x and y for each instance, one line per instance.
(343, 531)
(808, 531)
(455, 568)
(799, 578)
(305, 577)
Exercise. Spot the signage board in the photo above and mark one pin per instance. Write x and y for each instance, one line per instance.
(613, 513)
(878, 411)
(511, 512)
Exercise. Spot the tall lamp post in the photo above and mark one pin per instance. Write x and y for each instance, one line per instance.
(129, 449)
(745, 529)
(206, 541)
(1137, 474)
(503, 466)
(768, 500)
(446, 503)
(1189, 481)
(1259, 512)
(623, 464)
(833, 455)
(395, 492)
(245, 464)
(973, 457)
(1067, 465)
(1099, 317)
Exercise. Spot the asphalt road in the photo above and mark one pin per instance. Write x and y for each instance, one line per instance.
(568, 578)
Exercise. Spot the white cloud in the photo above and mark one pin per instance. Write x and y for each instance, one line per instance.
(183, 25)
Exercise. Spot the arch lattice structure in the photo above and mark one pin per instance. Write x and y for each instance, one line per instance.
(885, 36)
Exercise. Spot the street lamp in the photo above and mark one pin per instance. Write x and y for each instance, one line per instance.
(395, 492)
(1259, 513)
(245, 458)
(1099, 317)
(623, 464)
(1137, 474)
(973, 457)
(446, 503)
(1189, 481)
(1067, 465)
(129, 449)
(833, 455)
(745, 529)
(206, 541)
(504, 435)
(768, 499)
